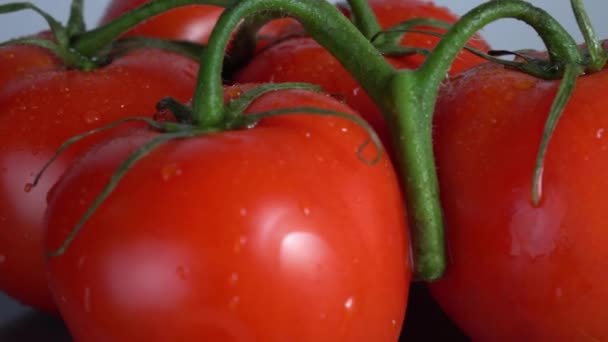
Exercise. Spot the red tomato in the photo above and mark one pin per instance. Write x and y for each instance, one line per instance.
(39, 112)
(276, 233)
(302, 59)
(191, 23)
(519, 272)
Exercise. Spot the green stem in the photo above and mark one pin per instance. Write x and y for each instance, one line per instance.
(91, 42)
(410, 117)
(321, 20)
(76, 21)
(596, 52)
(364, 18)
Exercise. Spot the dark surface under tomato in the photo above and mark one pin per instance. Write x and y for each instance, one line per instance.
(424, 322)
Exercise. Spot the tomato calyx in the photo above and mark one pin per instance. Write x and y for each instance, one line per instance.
(62, 35)
(87, 50)
(185, 127)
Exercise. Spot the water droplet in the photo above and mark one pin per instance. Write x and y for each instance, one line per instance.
(234, 302)
(28, 187)
(349, 304)
(394, 323)
(2, 258)
(323, 316)
(343, 129)
(122, 106)
(183, 272)
(308, 135)
(234, 279)
(356, 91)
(87, 299)
(600, 133)
(559, 292)
(81, 262)
(91, 117)
(239, 244)
(169, 171)
(306, 211)
(243, 212)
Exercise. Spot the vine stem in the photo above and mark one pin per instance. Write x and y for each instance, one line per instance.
(597, 55)
(414, 94)
(364, 18)
(406, 97)
(320, 19)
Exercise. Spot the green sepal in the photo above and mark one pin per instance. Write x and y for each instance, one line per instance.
(59, 31)
(564, 93)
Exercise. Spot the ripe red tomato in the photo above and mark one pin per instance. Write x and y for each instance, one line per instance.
(40, 110)
(192, 23)
(302, 59)
(275, 233)
(519, 272)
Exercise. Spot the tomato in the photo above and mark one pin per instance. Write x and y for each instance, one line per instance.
(42, 109)
(302, 59)
(191, 23)
(519, 272)
(275, 233)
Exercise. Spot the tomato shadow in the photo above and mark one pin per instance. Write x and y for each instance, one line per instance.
(33, 326)
(425, 321)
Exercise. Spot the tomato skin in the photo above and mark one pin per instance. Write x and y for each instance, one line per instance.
(192, 23)
(41, 111)
(269, 234)
(21, 61)
(519, 273)
(304, 60)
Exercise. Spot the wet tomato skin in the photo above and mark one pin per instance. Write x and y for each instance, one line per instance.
(280, 232)
(42, 109)
(519, 272)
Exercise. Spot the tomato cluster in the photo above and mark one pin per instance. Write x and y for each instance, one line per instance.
(292, 226)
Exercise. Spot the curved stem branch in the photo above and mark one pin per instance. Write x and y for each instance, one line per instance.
(364, 18)
(321, 20)
(596, 52)
(560, 45)
(410, 117)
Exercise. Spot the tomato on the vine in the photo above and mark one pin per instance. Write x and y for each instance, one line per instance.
(519, 272)
(278, 232)
(303, 59)
(43, 108)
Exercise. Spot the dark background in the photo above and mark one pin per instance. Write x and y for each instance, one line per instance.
(424, 322)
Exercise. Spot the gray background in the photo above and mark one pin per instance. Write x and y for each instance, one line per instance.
(20, 324)
(502, 35)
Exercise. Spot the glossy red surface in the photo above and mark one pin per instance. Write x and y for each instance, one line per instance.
(519, 272)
